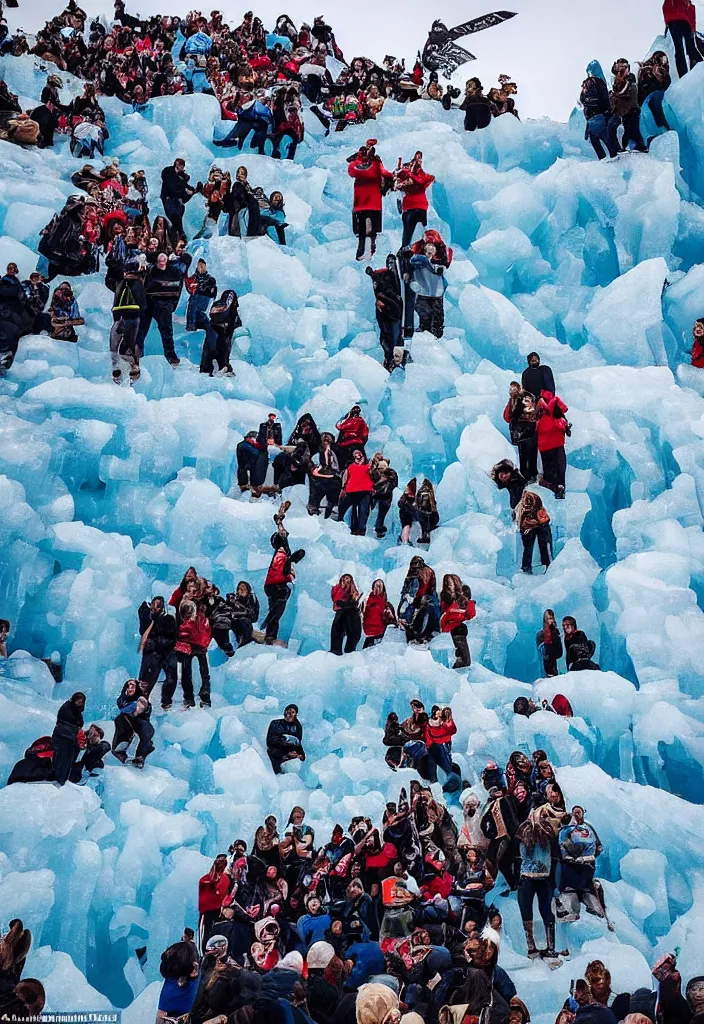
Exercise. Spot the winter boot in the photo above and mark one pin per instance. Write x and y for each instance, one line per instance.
(533, 951)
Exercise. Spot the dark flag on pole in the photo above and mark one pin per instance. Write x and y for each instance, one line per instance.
(441, 52)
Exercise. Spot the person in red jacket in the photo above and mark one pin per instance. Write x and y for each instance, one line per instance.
(413, 182)
(212, 890)
(698, 344)
(681, 21)
(279, 577)
(457, 608)
(552, 428)
(347, 624)
(353, 433)
(378, 613)
(356, 493)
(194, 636)
(439, 731)
(370, 177)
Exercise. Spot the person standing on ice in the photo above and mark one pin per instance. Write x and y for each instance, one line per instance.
(385, 480)
(175, 193)
(549, 643)
(681, 21)
(370, 182)
(552, 430)
(521, 415)
(457, 609)
(279, 577)
(537, 377)
(533, 524)
(536, 837)
(413, 182)
(65, 738)
(429, 284)
(579, 649)
(356, 493)
(284, 739)
(388, 307)
(653, 82)
(625, 109)
(213, 887)
(596, 105)
(698, 344)
(347, 623)
(163, 288)
(158, 639)
(129, 308)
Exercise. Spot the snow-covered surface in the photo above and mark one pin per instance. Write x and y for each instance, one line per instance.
(107, 494)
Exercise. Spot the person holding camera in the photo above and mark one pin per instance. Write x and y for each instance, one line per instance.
(371, 182)
(413, 182)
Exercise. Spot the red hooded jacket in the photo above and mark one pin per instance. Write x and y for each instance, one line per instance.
(354, 432)
(277, 569)
(415, 186)
(373, 620)
(551, 430)
(680, 10)
(211, 893)
(453, 616)
(698, 354)
(367, 183)
(194, 633)
(439, 733)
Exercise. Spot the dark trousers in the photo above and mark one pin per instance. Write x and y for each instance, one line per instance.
(240, 132)
(347, 627)
(162, 311)
(654, 101)
(543, 535)
(196, 312)
(528, 457)
(598, 132)
(477, 116)
(278, 595)
(528, 889)
(222, 639)
(389, 336)
(292, 145)
(554, 467)
(323, 488)
(382, 506)
(242, 628)
(631, 131)
(217, 345)
(431, 314)
(173, 210)
(91, 760)
(145, 733)
(251, 466)
(62, 761)
(152, 664)
(459, 639)
(440, 756)
(371, 641)
(185, 674)
(411, 219)
(683, 39)
(358, 501)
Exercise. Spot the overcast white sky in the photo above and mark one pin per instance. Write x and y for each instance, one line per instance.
(546, 48)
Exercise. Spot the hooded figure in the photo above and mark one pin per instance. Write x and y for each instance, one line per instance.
(67, 736)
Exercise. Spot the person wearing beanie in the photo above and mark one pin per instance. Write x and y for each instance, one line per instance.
(325, 972)
(314, 923)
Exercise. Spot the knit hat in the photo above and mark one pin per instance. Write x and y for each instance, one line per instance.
(319, 955)
(374, 1004)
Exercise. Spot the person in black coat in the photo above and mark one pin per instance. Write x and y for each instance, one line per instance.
(579, 649)
(284, 739)
(159, 633)
(95, 750)
(35, 766)
(163, 289)
(476, 106)
(269, 432)
(222, 323)
(537, 378)
(175, 193)
(506, 477)
(46, 116)
(64, 739)
(389, 308)
(13, 316)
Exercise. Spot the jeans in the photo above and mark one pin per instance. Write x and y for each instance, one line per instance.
(528, 457)
(389, 336)
(221, 636)
(240, 132)
(196, 312)
(431, 314)
(528, 889)
(382, 506)
(270, 224)
(683, 39)
(411, 219)
(162, 311)
(358, 501)
(654, 101)
(440, 754)
(174, 209)
(278, 595)
(597, 132)
(242, 628)
(292, 146)
(327, 488)
(544, 537)
(347, 626)
(152, 664)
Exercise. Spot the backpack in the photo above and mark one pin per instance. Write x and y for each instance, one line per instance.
(125, 301)
(220, 310)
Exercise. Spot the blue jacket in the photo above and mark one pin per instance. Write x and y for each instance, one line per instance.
(256, 111)
(368, 960)
(428, 278)
(312, 928)
(198, 45)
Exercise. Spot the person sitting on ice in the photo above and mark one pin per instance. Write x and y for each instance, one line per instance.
(579, 650)
(533, 523)
(35, 766)
(133, 720)
(279, 577)
(293, 463)
(284, 739)
(419, 609)
(93, 753)
(388, 307)
(252, 463)
(63, 315)
(580, 847)
(272, 217)
(698, 344)
(457, 609)
(526, 707)
(237, 612)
